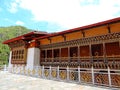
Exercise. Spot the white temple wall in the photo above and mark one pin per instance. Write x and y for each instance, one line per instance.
(10, 57)
(10, 64)
(33, 57)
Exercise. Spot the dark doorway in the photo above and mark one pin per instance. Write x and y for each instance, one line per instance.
(56, 53)
(97, 50)
(73, 51)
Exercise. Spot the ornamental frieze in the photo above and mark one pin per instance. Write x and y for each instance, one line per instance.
(85, 41)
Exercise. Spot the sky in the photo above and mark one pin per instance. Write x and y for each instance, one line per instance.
(56, 15)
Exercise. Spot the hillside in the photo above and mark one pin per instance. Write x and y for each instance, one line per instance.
(8, 33)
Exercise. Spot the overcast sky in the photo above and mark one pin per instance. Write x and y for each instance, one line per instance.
(56, 15)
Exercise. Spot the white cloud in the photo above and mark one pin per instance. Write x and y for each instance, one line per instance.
(70, 13)
(19, 23)
(13, 6)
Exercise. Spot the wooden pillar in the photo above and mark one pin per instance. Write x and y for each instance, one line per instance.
(59, 54)
(119, 43)
(52, 55)
(90, 51)
(45, 55)
(104, 52)
(68, 54)
(78, 53)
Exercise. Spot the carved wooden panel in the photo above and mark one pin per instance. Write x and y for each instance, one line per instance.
(86, 77)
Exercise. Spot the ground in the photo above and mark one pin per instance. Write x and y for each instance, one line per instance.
(9, 81)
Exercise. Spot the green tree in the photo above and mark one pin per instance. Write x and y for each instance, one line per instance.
(8, 33)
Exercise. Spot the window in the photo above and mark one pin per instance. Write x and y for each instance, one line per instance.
(18, 55)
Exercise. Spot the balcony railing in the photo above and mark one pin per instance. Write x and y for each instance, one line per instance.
(82, 59)
(85, 62)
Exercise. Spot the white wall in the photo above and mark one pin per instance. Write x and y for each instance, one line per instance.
(33, 57)
(10, 64)
(10, 57)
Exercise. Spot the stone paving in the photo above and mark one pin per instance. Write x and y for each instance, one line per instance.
(9, 81)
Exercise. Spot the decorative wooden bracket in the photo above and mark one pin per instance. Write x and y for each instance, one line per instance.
(83, 33)
(49, 39)
(64, 37)
(109, 29)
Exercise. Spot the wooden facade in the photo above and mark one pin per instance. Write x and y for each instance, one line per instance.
(97, 46)
(19, 46)
(93, 46)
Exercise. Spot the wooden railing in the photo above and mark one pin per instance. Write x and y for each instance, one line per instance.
(96, 61)
(82, 59)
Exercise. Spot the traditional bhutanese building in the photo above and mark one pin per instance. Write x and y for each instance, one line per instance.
(96, 45)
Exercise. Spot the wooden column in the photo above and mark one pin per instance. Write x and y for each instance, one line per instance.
(104, 52)
(45, 55)
(91, 57)
(69, 54)
(59, 54)
(119, 43)
(52, 55)
(79, 54)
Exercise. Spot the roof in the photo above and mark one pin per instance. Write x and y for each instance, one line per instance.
(25, 36)
(83, 27)
(41, 35)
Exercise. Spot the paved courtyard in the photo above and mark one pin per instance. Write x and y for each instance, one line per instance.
(10, 81)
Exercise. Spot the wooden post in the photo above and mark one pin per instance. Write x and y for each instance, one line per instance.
(119, 43)
(45, 55)
(104, 52)
(78, 54)
(91, 58)
(52, 55)
(59, 55)
(69, 54)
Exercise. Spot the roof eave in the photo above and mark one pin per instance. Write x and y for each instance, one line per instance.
(83, 27)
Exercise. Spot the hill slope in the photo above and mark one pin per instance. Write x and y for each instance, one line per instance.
(8, 33)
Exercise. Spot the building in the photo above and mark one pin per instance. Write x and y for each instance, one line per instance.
(96, 45)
